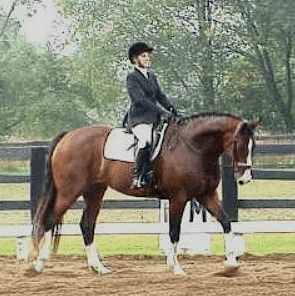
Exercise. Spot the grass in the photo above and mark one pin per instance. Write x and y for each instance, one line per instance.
(286, 161)
(109, 245)
(267, 189)
(114, 245)
(14, 191)
(14, 167)
(260, 244)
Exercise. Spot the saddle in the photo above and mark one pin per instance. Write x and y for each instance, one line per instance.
(122, 145)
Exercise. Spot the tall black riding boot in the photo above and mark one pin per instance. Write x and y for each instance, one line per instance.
(143, 174)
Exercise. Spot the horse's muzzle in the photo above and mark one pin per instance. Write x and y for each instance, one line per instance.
(245, 178)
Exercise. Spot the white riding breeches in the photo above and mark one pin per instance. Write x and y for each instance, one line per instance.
(143, 132)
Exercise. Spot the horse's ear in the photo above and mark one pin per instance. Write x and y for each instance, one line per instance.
(253, 124)
(248, 127)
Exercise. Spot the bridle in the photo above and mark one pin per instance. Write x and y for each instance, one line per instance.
(247, 165)
(244, 165)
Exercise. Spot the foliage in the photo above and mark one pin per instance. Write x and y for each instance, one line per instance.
(203, 45)
(37, 96)
(265, 43)
(234, 55)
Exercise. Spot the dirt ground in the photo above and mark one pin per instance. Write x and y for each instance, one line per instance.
(271, 275)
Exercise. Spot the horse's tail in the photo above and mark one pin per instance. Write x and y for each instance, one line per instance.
(43, 219)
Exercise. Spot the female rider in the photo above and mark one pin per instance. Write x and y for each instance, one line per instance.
(148, 105)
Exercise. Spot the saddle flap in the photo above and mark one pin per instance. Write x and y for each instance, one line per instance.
(121, 145)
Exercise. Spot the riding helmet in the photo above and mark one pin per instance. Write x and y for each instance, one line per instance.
(138, 48)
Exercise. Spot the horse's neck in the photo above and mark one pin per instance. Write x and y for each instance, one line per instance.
(172, 136)
(208, 136)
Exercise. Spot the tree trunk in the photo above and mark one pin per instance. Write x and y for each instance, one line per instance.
(288, 52)
(7, 18)
(265, 65)
(207, 77)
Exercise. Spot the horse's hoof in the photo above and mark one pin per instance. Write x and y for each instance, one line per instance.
(178, 271)
(105, 271)
(231, 262)
(38, 266)
(101, 270)
(231, 265)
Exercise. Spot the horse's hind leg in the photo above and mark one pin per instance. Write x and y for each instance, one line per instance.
(212, 204)
(54, 218)
(44, 251)
(92, 204)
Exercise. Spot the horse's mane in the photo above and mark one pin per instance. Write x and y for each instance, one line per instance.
(211, 114)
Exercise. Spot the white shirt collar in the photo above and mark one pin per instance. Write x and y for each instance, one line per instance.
(143, 71)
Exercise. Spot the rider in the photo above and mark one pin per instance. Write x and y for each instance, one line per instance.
(148, 105)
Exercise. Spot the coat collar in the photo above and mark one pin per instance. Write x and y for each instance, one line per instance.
(138, 70)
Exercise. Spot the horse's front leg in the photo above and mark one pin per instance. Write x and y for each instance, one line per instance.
(176, 208)
(212, 204)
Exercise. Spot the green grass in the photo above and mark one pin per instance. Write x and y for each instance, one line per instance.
(286, 161)
(260, 244)
(271, 189)
(114, 245)
(14, 167)
(14, 191)
(7, 247)
(109, 245)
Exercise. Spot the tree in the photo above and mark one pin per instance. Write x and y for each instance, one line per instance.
(266, 42)
(37, 96)
(183, 36)
(234, 55)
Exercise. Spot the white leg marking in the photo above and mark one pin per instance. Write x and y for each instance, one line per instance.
(94, 261)
(230, 253)
(171, 260)
(44, 252)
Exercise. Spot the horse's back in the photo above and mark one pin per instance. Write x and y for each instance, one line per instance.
(83, 139)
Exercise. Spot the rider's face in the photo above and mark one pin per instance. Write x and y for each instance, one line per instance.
(143, 60)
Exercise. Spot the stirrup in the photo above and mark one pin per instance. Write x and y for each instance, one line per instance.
(149, 178)
(137, 183)
(143, 180)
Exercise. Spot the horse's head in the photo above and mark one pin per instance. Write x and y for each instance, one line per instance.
(242, 151)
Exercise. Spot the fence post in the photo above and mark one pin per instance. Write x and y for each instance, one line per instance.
(229, 190)
(38, 161)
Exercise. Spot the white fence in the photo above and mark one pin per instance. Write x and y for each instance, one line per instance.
(195, 236)
(161, 228)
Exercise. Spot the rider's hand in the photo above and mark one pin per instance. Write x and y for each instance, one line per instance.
(174, 113)
(167, 116)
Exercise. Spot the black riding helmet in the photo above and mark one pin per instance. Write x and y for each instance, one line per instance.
(138, 48)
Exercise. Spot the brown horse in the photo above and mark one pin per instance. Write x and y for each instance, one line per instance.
(187, 168)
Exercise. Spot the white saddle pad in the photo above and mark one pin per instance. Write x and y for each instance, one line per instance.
(119, 145)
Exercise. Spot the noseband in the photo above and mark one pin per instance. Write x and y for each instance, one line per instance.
(247, 164)
(244, 165)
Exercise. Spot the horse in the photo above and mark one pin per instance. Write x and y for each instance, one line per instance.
(187, 168)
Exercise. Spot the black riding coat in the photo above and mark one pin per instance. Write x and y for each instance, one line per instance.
(146, 98)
